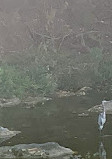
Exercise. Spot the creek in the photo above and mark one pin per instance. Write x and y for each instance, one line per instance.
(59, 120)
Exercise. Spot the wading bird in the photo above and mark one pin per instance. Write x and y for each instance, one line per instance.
(102, 117)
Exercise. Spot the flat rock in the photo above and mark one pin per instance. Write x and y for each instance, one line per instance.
(6, 134)
(47, 150)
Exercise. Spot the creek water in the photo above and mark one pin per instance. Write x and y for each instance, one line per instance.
(59, 120)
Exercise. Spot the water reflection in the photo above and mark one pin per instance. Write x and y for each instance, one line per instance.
(102, 152)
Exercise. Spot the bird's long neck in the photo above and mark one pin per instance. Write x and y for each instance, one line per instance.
(104, 110)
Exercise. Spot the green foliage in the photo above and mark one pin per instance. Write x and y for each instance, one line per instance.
(14, 82)
(79, 70)
(43, 81)
(84, 70)
(43, 69)
(105, 68)
(101, 65)
(96, 58)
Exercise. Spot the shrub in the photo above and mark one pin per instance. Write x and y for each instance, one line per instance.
(42, 81)
(15, 82)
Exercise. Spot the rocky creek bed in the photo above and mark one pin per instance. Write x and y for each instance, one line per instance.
(48, 150)
(32, 101)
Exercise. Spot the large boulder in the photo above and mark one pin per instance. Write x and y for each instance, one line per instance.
(46, 150)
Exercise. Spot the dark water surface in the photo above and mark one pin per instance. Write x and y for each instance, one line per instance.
(59, 121)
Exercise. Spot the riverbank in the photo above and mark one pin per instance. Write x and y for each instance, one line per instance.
(32, 101)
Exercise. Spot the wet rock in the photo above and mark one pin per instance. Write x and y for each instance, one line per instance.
(6, 134)
(47, 150)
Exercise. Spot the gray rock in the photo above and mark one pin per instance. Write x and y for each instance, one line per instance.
(83, 115)
(99, 108)
(96, 108)
(83, 91)
(47, 150)
(6, 134)
(64, 93)
(34, 100)
(30, 101)
(9, 102)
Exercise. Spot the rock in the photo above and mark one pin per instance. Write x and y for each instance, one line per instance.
(74, 112)
(17, 152)
(83, 115)
(77, 157)
(30, 101)
(47, 150)
(99, 108)
(6, 134)
(83, 91)
(96, 108)
(34, 100)
(9, 102)
(64, 94)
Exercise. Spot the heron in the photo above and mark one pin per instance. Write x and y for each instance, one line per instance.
(102, 117)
